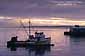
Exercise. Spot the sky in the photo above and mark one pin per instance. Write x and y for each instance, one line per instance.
(45, 9)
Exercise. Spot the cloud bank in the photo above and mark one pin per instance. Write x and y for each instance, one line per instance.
(43, 8)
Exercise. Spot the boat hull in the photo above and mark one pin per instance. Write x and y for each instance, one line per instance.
(26, 44)
(75, 33)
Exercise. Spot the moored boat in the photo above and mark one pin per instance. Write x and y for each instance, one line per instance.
(76, 31)
(38, 40)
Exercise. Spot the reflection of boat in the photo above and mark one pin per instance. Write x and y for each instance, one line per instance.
(34, 50)
(76, 31)
(38, 39)
(39, 51)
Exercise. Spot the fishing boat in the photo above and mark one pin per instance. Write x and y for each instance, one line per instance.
(76, 31)
(38, 39)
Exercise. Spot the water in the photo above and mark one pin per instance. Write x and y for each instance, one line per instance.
(64, 45)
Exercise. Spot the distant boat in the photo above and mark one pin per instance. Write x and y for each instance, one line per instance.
(76, 31)
(39, 39)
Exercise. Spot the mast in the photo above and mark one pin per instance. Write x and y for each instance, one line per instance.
(29, 27)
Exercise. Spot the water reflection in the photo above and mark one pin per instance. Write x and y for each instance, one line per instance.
(34, 50)
(76, 38)
(76, 45)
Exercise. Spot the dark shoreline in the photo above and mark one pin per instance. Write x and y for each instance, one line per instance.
(41, 27)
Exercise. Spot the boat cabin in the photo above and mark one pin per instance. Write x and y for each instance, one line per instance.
(77, 29)
(38, 36)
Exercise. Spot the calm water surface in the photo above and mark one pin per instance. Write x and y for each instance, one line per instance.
(64, 45)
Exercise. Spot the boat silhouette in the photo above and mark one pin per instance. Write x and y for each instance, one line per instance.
(76, 31)
(38, 39)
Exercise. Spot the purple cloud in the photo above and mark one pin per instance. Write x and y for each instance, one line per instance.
(43, 8)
